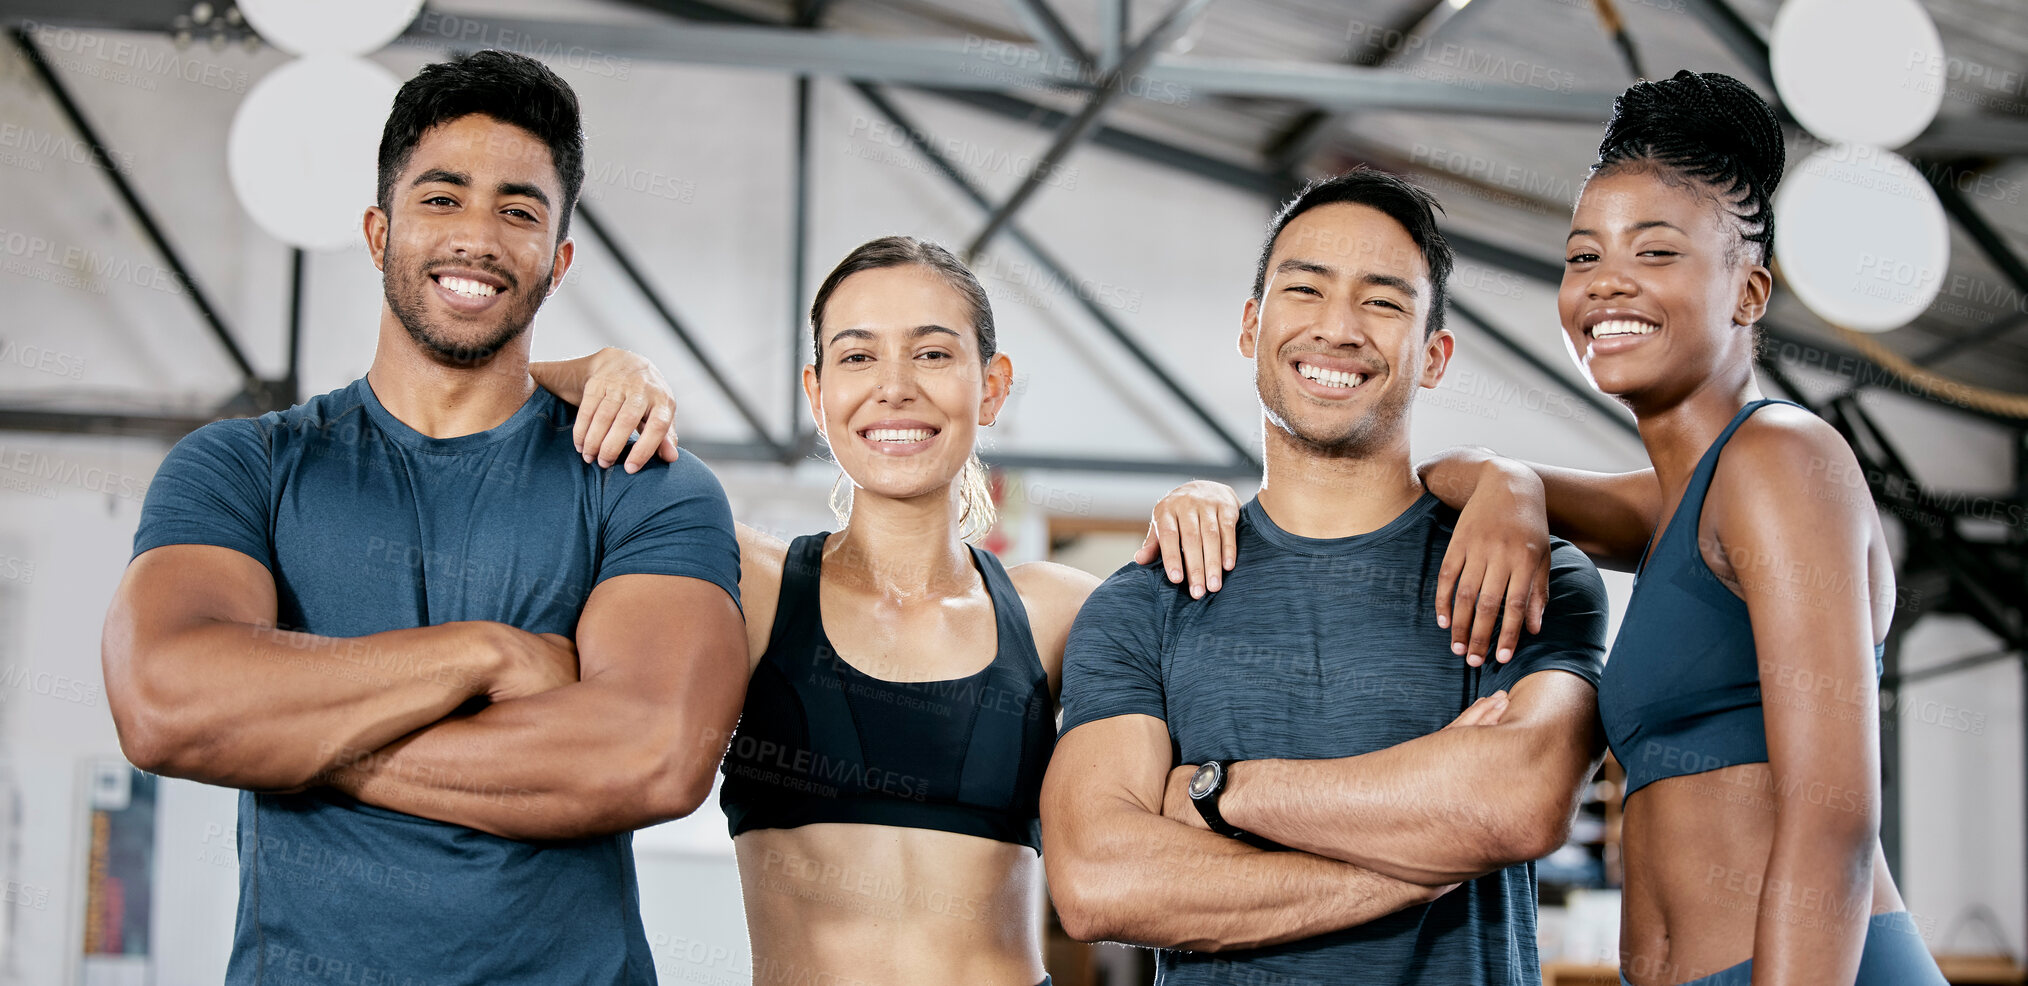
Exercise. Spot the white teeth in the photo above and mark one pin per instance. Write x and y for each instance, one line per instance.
(902, 435)
(1622, 327)
(1331, 378)
(468, 287)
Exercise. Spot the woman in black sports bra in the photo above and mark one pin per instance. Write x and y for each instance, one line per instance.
(882, 787)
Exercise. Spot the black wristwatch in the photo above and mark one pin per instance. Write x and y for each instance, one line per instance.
(1205, 787)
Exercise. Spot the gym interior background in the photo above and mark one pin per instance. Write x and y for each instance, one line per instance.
(1109, 164)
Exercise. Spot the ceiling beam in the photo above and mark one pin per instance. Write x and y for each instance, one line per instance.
(980, 63)
(1048, 30)
(1074, 132)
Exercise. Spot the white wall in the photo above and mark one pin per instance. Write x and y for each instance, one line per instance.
(1173, 256)
(1961, 794)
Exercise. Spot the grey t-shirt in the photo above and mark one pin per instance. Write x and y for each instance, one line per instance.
(1319, 649)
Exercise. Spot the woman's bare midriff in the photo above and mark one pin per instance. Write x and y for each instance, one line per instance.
(851, 904)
(1696, 850)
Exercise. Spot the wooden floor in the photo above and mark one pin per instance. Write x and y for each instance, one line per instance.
(1960, 970)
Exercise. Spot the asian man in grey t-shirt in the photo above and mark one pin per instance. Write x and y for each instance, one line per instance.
(1339, 833)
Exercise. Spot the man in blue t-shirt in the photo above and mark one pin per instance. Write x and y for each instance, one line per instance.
(450, 662)
(1324, 826)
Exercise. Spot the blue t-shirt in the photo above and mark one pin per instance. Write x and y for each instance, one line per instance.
(1317, 649)
(369, 525)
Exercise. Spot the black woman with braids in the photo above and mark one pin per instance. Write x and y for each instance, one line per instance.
(1742, 692)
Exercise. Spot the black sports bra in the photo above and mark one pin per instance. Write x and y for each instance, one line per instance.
(821, 741)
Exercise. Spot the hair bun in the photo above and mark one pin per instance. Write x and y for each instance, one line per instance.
(1707, 109)
(1710, 128)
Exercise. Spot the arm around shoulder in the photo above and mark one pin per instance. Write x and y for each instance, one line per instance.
(1609, 516)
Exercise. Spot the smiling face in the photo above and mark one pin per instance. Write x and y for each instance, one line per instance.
(1337, 336)
(903, 390)
(1659, 292)
(467, 247)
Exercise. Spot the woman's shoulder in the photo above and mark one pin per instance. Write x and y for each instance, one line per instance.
(1785, 466)
(761, 553)
(1051, 585)
(1051, 593)
(1781, 440)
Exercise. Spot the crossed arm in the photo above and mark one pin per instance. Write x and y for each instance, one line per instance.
(1442, 808)
(634, 742)
(1121, 871)
(202, 686)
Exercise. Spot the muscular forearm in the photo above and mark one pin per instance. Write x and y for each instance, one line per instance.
(1608, 516)
(1136, 877)
(260, 708)
(586, 759)
(1452, 475)
(1443, 808)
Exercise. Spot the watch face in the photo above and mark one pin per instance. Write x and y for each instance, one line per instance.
(1204, 780)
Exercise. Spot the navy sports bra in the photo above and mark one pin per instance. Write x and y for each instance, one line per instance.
(821, 741)
(1681, 691)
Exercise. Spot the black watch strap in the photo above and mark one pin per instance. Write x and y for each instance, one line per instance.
(1206, 799)
(1207, 806)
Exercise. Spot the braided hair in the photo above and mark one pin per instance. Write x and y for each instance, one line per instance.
(1705, 128)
